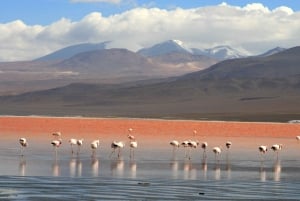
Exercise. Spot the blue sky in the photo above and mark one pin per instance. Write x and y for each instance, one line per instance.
(47, 11)
(33, 28)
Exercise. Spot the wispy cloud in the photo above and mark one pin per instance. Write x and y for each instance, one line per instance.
(253, 27)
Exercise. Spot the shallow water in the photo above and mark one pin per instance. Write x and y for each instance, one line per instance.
(155, 173)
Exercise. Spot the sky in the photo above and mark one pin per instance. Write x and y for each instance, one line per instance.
(33, 28)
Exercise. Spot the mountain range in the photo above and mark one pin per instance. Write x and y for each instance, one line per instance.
(256, 88)
(165, 47)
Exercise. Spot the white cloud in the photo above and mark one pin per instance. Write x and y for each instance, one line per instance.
(95, 1)
(254, 28)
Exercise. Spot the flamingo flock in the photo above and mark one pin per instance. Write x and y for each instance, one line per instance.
(118, 146)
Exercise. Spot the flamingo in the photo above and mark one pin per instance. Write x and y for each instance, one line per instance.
(79, 144)
(72, 143)
(276, 148)
(117, 145)
(56, 144)
(174, 144)
(133, 145)
(56, 134)
(94, 146)
(23, 143)
(228, 144)
(217, 151)
(192, 144)
(185, 145)
(204, 145)
(130, 137)
(263, 149)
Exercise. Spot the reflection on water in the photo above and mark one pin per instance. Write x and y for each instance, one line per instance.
(75, 166)
(133, 168)
(217, 171)
(262, 171)
(174, 164)
(277, 170)
(228, 169)
(95, 166)
(22, 166)
(204, 168)
(117, 167)
(55, 168)
(189, 171)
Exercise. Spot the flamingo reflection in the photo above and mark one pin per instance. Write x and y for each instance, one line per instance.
(204, 167)
(262, 172)
(174, 166)
(75, 167)
(95, 166)
(217, 171)
(189, 171)
(133, 168)
(22, 166)
(117, 166)
(55, 168)
(277, 170)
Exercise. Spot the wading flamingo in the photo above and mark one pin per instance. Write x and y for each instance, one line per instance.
(132, 145)
(94, 145)
(217, 151)
(56, 134)
(185, 145)
(192, 144)
(174, 144)
(72, 142)
(276, 148)
(117, 145)
(130, 136)
(204, 145)
(56, 144)
(228, 144)
(262, 149)
(23, 143)
(79, 144)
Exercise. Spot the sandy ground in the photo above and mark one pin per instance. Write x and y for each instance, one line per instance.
(152, 130)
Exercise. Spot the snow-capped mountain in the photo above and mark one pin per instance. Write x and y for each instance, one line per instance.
(166, 47)
(272, 51)
(72, 50)
(171, 46)
(220, 52)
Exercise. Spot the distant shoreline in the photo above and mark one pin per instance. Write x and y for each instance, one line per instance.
(138, 118)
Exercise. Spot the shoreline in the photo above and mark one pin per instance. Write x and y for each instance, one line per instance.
(146, 119)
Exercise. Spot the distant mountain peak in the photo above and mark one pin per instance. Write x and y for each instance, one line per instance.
(272, 51)
(165, 47)
(72, 50)
(179, 42)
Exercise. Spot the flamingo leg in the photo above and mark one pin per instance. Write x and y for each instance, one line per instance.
(78, 150)
(204, 154)
(119, 153)
(130, 156)
(113, 151)
(21, 151)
